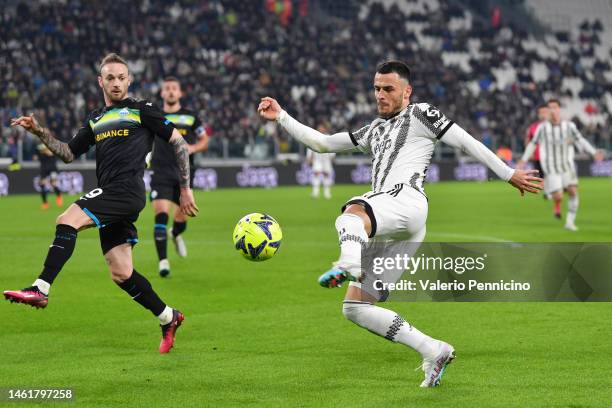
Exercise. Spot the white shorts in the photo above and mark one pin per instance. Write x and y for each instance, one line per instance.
(399, 213)
(559, 181)
(322, 167)
(396, 214)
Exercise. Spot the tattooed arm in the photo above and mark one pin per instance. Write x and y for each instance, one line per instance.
(182, 157)
(60, 149)
(188, 205)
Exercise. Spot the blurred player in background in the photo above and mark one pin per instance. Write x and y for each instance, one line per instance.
(165, 181)
(122, 132)
(557, 139)
(48, 176)
(543, 115)
(401, 142)
(322, 169)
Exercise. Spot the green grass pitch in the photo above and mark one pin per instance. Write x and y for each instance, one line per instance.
(265, 334)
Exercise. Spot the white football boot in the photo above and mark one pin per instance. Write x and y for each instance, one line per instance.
(179, 245)
(571, 226)
(164, 268)
(434, 367)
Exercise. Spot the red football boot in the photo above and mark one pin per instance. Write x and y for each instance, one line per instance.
(169, 331)
(29, 296)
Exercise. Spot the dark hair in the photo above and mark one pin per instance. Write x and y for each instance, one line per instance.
(171, 79)
(554, 100)
(399, 67)
(542, 106)
(112, 58)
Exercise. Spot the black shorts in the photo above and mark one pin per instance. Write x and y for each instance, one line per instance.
(165, 189)
(114, 209)
(50, 174)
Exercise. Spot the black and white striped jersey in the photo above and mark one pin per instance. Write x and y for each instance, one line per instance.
(557, 146)
(402, 146)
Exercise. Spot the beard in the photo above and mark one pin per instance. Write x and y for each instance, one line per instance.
(117, 97)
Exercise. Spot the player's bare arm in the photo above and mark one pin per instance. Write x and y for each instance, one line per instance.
(201, 145)
(188, 205)
(60, 149)
(269, 109)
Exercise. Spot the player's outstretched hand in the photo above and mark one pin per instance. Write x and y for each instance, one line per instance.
(525, 180)
(599, 156)
(29, 123)
(188, 205)
(268, 108)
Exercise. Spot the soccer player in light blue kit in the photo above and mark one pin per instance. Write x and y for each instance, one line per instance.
(401, 142)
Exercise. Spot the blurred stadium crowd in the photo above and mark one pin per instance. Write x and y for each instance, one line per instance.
(482, 72)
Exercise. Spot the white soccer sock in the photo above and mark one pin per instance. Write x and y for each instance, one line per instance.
(572, 209)
(352, 235)
(390, 325)
(327, 181)
(316, 185)
(43, 286)
(165, 317)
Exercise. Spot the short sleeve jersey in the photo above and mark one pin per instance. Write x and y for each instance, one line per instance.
(123, 135)
(402, 146)
(163, 161)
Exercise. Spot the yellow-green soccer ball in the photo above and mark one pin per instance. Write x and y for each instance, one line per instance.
(257, 236)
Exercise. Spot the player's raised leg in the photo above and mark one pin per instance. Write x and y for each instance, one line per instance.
(352, 226)
(572, 208)
(161, 207)
(67, 226)
(178, 228)
(359, 307)
(119, 260)
(355, 227)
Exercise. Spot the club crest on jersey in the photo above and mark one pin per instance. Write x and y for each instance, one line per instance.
(124, 112)
(382, 146)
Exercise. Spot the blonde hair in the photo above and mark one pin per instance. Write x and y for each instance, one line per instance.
(110, 59)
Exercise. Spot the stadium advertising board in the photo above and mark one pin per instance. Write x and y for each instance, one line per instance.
(25, 181)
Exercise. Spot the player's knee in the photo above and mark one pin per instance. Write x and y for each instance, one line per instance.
(62, 219)
(356, 210)
(120, 272)
(120, 269)
(353, 311)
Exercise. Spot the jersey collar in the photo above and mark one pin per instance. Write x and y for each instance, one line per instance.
(396, 114)
(121, 104)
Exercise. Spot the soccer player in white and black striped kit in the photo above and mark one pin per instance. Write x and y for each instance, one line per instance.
(557, 139)
(401, 142)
